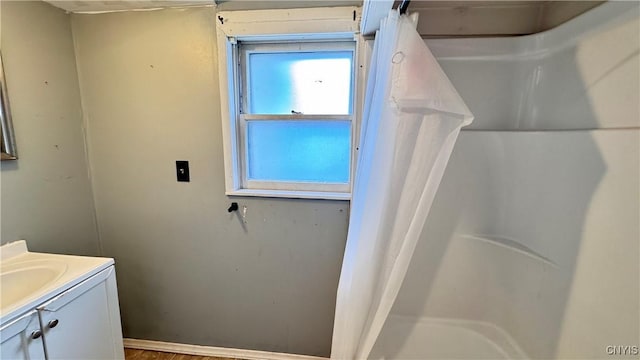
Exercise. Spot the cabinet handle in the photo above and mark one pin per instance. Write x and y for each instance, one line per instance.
(36, 334)
(53, 323)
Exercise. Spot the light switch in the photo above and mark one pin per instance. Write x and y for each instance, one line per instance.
(182, 170)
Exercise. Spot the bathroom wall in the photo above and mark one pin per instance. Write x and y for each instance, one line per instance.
(46, 194)
(189, 271)
(536, 230)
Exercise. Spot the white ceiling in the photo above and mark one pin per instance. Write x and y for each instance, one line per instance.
(119, 5)
(88, 6)
(436, 19)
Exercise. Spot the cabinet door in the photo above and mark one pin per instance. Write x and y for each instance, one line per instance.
(84, 321)
(22, 339)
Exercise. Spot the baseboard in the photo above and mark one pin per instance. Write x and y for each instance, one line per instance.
(213, 351)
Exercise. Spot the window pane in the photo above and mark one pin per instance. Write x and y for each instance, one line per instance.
(304, 82)
(299, 151)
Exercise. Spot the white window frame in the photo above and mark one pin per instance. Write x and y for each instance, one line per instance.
(281, 26)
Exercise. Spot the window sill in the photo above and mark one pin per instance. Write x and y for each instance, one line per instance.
(322, 195)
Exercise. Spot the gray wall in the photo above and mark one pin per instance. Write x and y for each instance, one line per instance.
(46, 194)
(188, 271)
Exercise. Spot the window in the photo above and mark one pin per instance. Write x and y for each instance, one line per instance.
(290, 129)
(295, 116)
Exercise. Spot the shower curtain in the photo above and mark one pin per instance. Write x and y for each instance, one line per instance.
(411, 120)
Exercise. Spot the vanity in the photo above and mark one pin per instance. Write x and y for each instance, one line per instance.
(57, 306)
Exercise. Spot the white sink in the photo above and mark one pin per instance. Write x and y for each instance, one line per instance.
(28, 278)
(20, 280)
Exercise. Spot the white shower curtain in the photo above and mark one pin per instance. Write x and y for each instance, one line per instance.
(411, 120)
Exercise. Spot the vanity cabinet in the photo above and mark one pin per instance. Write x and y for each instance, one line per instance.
(22, 338)
(81, 323)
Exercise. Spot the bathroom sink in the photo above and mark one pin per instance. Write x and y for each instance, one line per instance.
(20, 280)
(27, 278)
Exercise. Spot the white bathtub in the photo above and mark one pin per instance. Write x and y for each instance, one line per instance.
(412, 338)
(532, 248)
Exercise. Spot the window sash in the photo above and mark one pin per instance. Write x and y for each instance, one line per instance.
(243, 151)
(245, 48)
(296, 186)
(293, 117)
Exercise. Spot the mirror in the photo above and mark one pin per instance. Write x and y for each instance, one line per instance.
(6, 132)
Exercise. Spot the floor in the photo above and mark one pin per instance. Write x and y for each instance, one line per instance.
(137, 354)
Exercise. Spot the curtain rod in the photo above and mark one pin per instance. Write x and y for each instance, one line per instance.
(403, 6)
